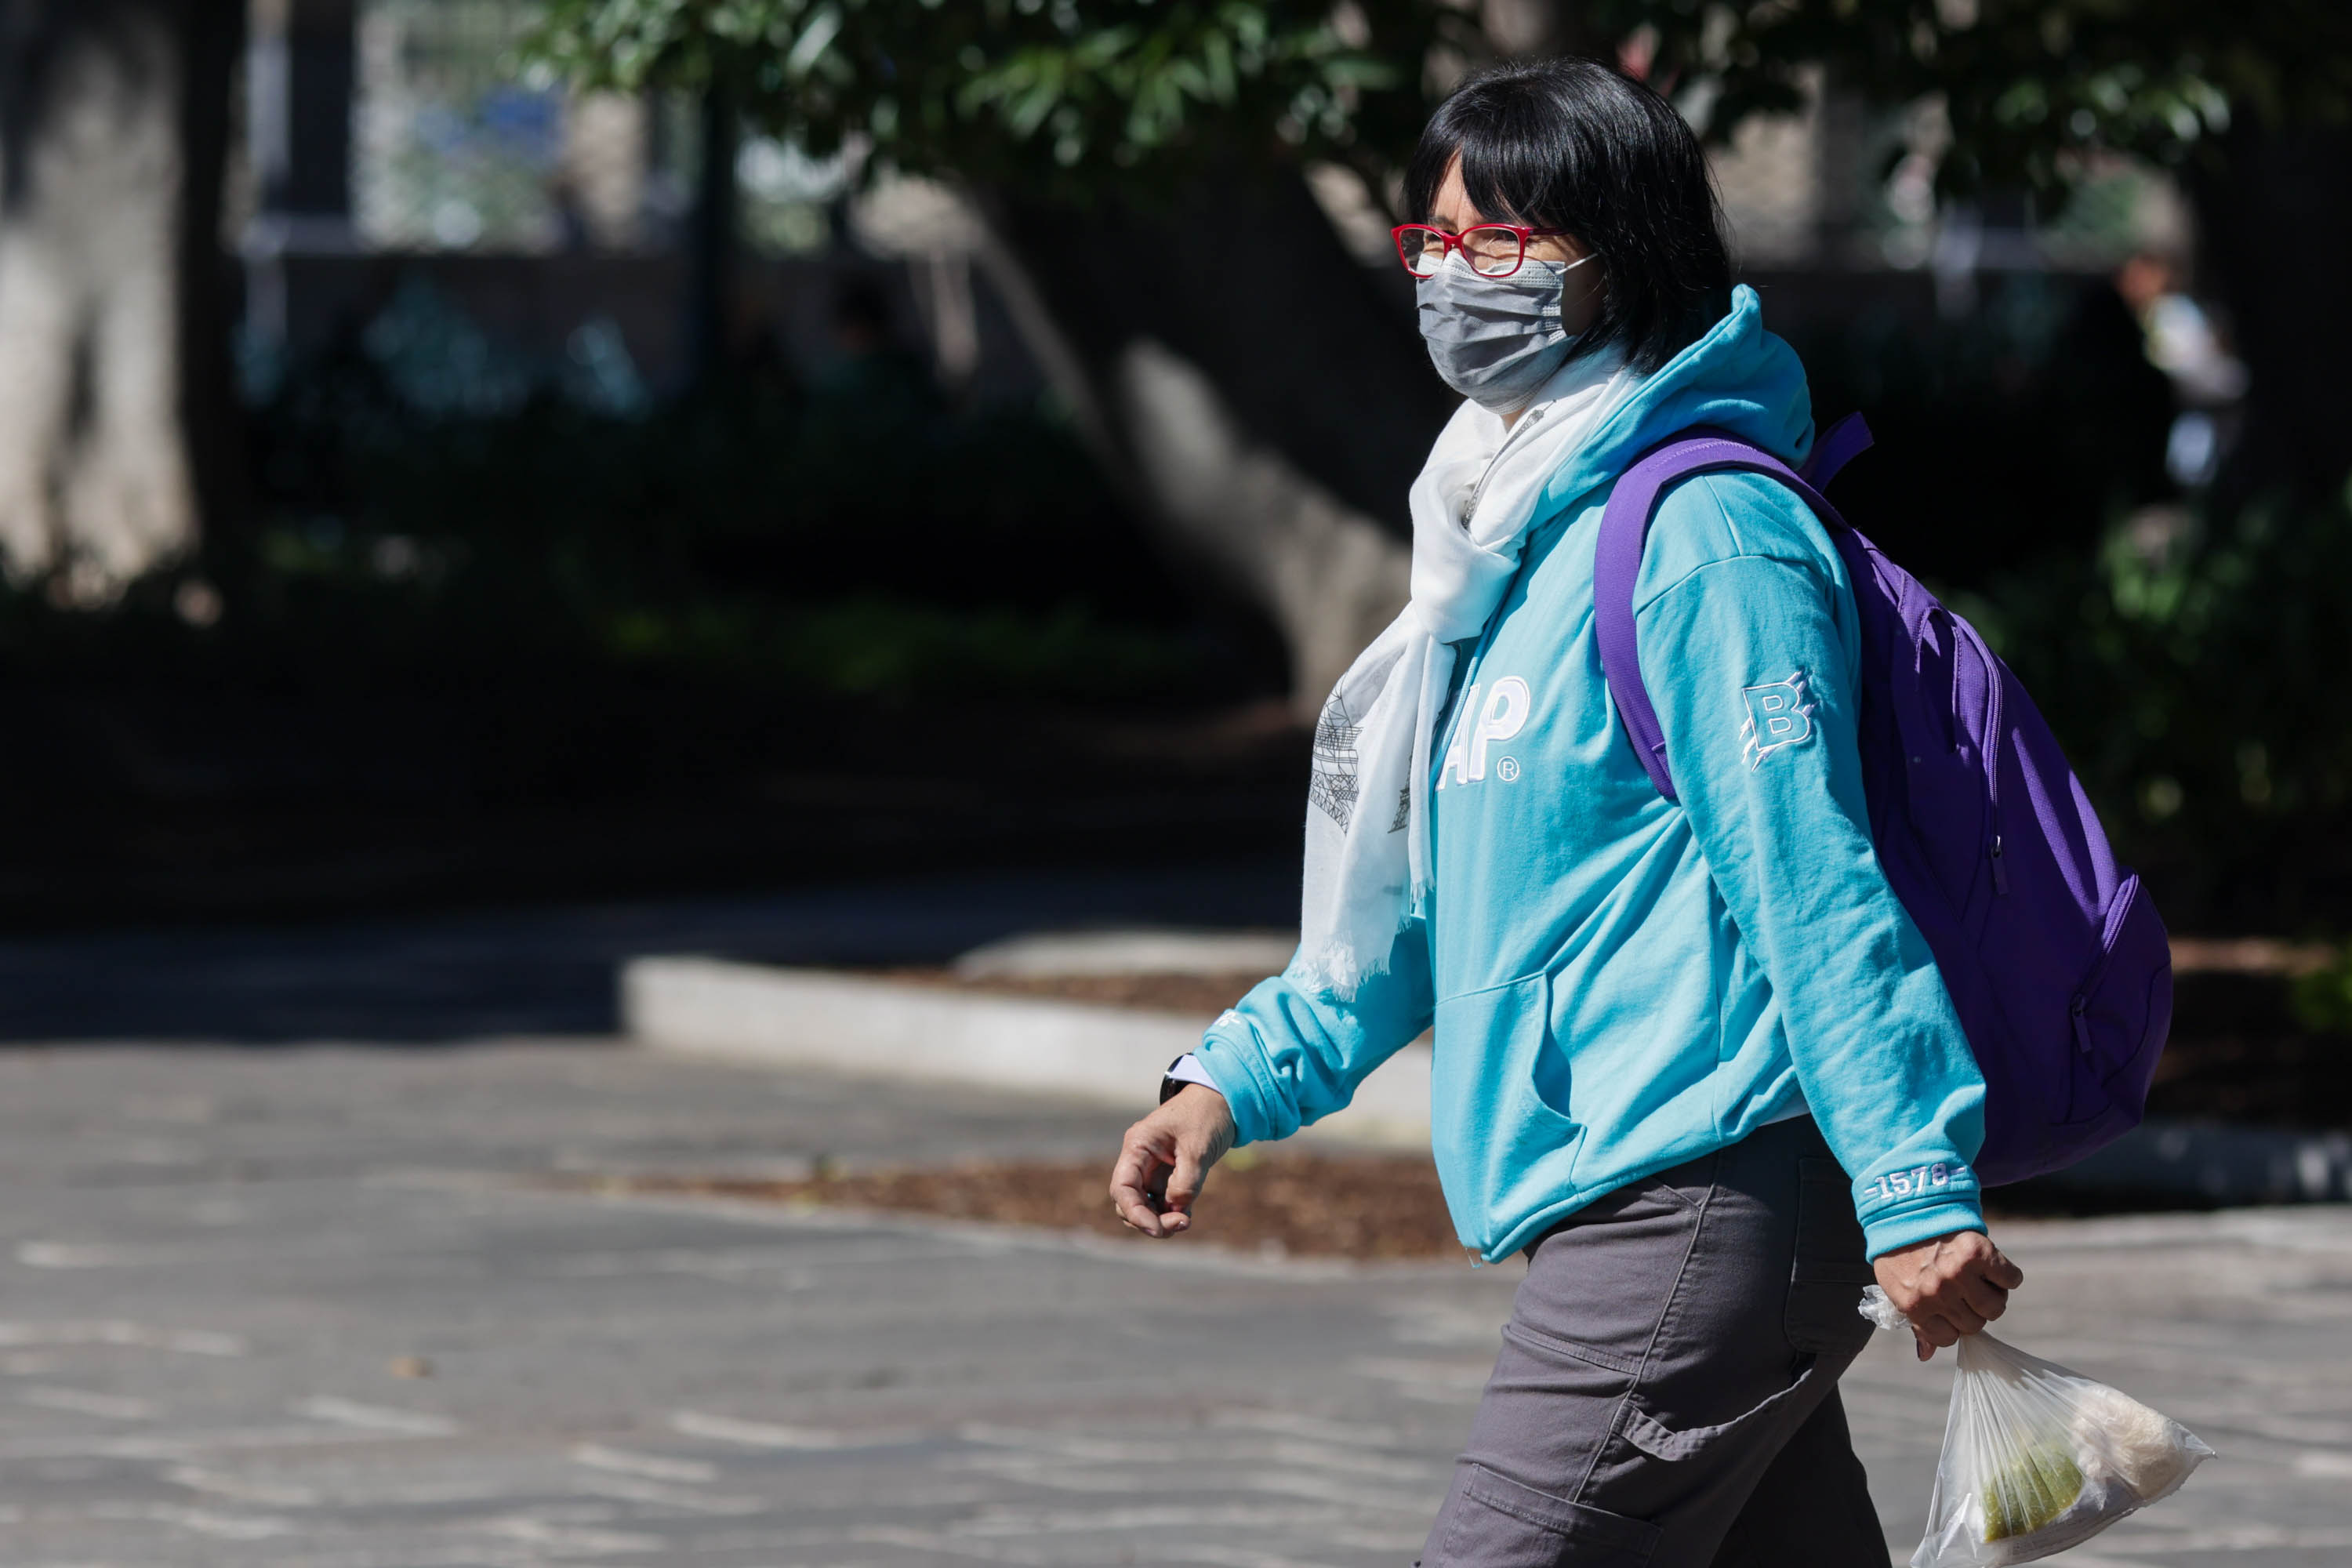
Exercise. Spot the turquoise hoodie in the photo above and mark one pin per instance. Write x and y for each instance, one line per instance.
(1619, 983)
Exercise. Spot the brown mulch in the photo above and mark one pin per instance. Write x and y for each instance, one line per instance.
(1203, 995)
(1290, 1204)
(2236, 1053)
(2292, 1080)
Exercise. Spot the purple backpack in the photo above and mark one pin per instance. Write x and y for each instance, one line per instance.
(2052, 954)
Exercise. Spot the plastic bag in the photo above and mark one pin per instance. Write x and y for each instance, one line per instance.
(2037, 1458)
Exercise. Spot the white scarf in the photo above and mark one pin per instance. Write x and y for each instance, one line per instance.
(1368, 847)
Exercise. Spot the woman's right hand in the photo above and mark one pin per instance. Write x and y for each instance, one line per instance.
(1166, 1156)
(1948, 1286)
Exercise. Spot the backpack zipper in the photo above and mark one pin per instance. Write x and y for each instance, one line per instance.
(1992, 750)
(2111, 931)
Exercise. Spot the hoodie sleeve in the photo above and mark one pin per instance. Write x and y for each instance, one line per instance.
(1285, 1055)
(1751, 663)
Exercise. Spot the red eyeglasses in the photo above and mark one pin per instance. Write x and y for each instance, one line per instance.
(1491, 249)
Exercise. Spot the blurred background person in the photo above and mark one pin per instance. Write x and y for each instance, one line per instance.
(2182, 341)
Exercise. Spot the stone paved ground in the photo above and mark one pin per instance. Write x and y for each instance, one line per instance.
(215, 1265)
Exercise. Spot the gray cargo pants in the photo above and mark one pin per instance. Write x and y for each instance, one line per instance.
(1667, 1395)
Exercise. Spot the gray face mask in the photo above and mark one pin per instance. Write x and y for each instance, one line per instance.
(1496, 341)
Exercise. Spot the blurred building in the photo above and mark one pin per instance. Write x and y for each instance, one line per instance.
(389, 152)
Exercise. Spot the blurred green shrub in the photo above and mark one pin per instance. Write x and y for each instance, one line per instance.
(2323, 998)
(2196, 669)
(850, 535)
(2192, 661)
(872, 646)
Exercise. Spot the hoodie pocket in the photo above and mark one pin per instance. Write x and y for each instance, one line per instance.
(1504, 1149)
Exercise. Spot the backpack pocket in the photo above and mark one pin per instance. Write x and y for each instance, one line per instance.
(2121, 1013)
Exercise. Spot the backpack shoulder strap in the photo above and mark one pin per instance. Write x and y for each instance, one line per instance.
(1836, 447)
(1626, 530)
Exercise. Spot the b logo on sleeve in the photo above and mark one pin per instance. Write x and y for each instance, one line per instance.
(1778, 715)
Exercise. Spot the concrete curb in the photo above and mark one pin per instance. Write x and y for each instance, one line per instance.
(848, 1023)
(2215, 1164)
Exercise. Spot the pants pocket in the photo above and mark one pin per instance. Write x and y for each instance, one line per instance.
(1492, 1521)
(1832, 1265)
(1660, 1441)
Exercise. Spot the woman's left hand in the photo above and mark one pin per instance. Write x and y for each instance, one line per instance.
(1949, 1286)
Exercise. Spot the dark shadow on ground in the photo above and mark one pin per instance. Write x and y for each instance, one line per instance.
(553, 971)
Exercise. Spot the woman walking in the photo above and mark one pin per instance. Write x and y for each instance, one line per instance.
(1694, 1060)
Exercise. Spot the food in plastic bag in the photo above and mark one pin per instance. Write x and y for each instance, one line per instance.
(2037, 1458)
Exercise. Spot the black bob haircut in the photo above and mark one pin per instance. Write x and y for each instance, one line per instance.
(1574, 145)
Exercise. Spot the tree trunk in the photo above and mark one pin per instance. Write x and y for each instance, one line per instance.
(711, 238)
(2274, 226)
(111, 143)
(211, 277)
(1262, 397)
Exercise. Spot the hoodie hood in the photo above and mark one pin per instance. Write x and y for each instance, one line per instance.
(1738, 377)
